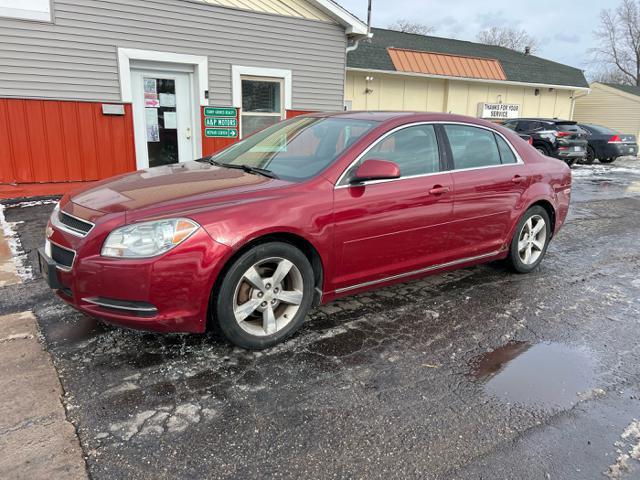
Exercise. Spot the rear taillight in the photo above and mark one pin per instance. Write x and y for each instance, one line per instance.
(530, 140)
(615, 139)
(564, 134)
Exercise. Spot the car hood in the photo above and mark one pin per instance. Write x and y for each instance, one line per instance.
(169, 187)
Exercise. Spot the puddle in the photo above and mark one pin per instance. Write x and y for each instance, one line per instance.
(544, 376)
(77, 330)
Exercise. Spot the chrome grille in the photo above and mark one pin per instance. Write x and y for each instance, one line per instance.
(81, 227)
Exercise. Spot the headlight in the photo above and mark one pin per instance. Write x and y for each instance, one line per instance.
(148, 239)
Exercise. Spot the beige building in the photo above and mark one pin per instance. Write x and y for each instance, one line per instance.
(400, 71)
(614, 106)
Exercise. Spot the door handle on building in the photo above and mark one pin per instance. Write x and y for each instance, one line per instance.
(188, 133)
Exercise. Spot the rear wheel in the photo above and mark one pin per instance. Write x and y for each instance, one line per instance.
(265, 295)
(590, 158)
(607, 160)
(530, 240)
(543, 150)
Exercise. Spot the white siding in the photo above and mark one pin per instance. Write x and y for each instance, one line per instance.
(75, 57)
(611, 108)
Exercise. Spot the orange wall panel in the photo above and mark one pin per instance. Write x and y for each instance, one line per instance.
(48, 141)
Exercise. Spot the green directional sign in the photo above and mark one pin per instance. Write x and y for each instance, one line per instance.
(220, 112)
(220, 122)
(221, 132)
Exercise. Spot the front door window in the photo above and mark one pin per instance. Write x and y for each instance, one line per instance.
(161, 121)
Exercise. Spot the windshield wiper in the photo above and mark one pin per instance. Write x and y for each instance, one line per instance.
(247, 168)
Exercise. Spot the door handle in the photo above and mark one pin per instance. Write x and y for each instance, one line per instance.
(188, 133)
(518, 179)
(438, 190)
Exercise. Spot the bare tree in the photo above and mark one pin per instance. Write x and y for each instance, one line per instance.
(508, 38)
(407, 26)
(619, 34)
(610, 75)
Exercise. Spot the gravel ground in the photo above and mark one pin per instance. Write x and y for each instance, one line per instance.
(477, 373)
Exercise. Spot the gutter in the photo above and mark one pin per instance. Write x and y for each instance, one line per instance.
(465, 79)
(573, 101)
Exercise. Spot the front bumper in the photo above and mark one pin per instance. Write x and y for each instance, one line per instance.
(168, 293)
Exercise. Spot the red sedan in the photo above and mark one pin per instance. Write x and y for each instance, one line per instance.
(311, 209)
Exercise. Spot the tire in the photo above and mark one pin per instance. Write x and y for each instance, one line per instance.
(253, 313)
(543, 150)
(607, 160)
(570, 161)
(517, 258)
(590, 158)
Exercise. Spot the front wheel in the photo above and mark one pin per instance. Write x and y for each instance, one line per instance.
(590, 158)
(530, 240)
(265, 295)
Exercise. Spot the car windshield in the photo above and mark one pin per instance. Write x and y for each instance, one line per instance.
(296, 149)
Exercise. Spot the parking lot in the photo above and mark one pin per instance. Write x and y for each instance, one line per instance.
(477, 373)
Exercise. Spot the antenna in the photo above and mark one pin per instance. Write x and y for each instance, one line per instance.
(369, 18)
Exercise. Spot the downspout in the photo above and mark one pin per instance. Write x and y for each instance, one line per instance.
(573, 101)
(354, 46)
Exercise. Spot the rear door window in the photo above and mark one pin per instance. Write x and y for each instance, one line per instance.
(472, 147)
(506, 154)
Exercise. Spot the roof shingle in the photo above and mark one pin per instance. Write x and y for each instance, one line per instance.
(632, 89)
(518, 67)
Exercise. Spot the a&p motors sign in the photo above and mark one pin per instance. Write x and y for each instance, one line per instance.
(498, 111)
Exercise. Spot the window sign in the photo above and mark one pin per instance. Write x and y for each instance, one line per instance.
(26, 9)
(498, 111)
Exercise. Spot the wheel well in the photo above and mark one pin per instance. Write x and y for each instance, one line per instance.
(302, 244)
(550, 211)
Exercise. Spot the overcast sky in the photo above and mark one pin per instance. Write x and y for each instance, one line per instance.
(564, 29)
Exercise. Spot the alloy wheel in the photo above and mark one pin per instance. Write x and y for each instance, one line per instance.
(268, 296)
(532, 239)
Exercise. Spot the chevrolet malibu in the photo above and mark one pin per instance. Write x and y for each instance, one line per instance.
(314, 208)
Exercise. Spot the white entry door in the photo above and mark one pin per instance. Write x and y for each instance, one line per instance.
(163, 117)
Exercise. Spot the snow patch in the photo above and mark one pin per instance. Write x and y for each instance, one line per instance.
(630, 440)
(19, 258)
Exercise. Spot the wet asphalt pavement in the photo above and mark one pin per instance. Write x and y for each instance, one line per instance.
(473, 374)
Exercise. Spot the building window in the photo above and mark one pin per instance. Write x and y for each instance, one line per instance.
(262, 104)
(39, 10)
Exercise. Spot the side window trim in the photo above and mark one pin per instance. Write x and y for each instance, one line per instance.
(441, 136)
(341, 183)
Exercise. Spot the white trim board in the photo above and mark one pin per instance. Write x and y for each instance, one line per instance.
(125, 55)
(354, 26)
(465, 79)
(237, 72)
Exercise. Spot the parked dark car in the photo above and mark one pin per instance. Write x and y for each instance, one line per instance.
(301, 213)
(606, 145)
(562, 139)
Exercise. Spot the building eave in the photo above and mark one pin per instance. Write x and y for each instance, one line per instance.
(465, 79)
(353, 25)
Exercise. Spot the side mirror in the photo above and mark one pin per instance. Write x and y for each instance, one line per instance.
(376, 170)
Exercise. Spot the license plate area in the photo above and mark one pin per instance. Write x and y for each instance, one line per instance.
(48, 270)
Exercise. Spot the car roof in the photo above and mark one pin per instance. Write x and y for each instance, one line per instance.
(384, 116)
(550, 120)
